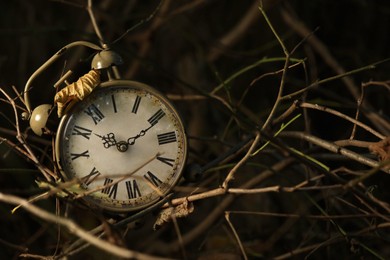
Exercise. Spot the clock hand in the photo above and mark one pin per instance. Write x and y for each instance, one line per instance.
(131, 140)
(108, 140)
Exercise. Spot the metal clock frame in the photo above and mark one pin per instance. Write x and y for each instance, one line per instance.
(138, 86)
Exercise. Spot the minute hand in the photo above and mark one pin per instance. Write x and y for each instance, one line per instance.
(131, 140)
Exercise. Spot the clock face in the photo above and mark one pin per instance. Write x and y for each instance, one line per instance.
(126, 144)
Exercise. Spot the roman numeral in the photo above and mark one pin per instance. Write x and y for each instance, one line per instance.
(166, 138)
(84, 132)
(132, 189)
(110, 190)
(74, 156)
(91, 176)
(113, 103)
(94, 113)
(136, 104)
(167, 161)
(153, 179)
(157, 116)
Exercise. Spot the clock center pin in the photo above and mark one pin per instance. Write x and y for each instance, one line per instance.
(122, 146)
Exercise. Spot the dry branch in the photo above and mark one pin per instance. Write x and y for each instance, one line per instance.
(74, 229)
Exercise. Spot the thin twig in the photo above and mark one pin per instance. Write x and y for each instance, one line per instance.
(332, 240)
(248, 191)
(143, 21)
(227, 217)
(285, 67)
(341, 115)
(236, 33)
(335, 148)
(300, 28)
(230, 175)
(292, 215)
(98, 231)
(122, 178)
(28, 137)
(360, 100)
(227, 200)
(46, 173)
(94, 23)
(144, 38)
(74, 229)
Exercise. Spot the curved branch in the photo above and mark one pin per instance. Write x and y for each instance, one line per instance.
(74, 229)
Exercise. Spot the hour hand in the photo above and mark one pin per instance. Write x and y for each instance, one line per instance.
(108, 140)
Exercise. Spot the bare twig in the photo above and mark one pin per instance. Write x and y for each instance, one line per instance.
(143, 21)
(144, 39)
(360, 100)
(46, 173)
(27, 137)
(286, 64)
(74, 229)
(335, 149)
(122, 178)
(236, 33)
(293, 215)
(332, 240)
(230, 176)
(227, 217)
(94, 22)
(227, 200)
(343, 116)
(300, 28)
(244, 190)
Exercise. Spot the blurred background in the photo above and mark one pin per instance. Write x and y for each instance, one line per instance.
(205, 56)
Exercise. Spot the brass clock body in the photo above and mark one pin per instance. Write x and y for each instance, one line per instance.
(126, 144)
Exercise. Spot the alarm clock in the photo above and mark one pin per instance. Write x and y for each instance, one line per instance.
(124, 142)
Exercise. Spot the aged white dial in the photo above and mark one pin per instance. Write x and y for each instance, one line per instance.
(125, 142)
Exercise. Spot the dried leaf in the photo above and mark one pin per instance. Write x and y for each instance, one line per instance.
(76, 91)
(180, 211)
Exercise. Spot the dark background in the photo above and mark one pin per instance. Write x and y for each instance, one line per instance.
(181, 51)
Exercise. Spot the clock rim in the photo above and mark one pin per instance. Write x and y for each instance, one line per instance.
(133, 85)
